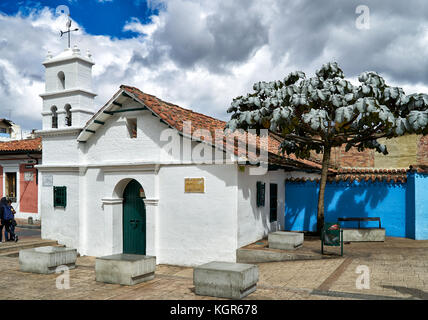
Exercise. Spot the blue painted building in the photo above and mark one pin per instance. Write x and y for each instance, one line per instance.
(399, 198)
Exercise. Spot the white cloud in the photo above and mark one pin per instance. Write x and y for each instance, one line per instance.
(201, 54)
(195, 87)
(148, 29)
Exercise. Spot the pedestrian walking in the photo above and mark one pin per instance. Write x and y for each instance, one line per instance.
(7, 236)
(7, 217)
(3, 202)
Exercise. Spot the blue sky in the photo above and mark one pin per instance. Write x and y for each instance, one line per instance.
(98, 17)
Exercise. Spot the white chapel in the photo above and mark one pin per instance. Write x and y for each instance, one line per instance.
(141, 175)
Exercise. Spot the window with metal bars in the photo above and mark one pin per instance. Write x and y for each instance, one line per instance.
(60, 197)
(261, 194)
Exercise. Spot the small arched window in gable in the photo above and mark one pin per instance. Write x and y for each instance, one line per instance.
(61, 80)
(54, 110)
(68, 116)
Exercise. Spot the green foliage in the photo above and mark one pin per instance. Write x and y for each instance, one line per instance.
(329, 111)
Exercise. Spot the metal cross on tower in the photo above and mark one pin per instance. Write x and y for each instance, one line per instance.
(69, 31)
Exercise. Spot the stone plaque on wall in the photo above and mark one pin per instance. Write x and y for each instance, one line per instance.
(47, 180)
(194, 185)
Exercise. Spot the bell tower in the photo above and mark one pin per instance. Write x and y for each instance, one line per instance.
(68, 98)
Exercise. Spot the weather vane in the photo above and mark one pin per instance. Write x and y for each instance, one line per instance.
(69, 31)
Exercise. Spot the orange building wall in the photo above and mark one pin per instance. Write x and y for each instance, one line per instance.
(28, 191)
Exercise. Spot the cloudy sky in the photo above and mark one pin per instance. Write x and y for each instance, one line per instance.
(200, 54)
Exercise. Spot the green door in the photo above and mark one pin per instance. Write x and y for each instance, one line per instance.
(134, 220)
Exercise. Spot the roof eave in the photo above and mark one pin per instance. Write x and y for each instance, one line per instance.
(100, 116)
(20, 152)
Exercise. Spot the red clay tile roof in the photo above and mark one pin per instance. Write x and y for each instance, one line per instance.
(174, 116)
(19, 146)
(345, 171)
(364, 174)
(388, 175)
(419, 168)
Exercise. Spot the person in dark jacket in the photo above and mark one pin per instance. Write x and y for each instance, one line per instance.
(3, 203)
(13, 224)
(7, 217)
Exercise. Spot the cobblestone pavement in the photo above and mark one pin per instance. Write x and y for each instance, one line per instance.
(398, 269)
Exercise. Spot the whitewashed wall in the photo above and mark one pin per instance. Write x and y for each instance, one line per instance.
(181, 228)
(84, 75)
(74, 91)
(78, 74)
(59, 223)
(197, 228)
(254, 222)
(177, 223)
(60, 150)
(104, 206)
(81, 109)
(112, 141)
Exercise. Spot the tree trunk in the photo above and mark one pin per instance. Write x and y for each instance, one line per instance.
(324, 172)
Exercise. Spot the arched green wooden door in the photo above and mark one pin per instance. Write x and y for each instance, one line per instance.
(134, 220)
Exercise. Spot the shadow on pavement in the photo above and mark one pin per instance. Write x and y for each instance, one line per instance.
(415, 293)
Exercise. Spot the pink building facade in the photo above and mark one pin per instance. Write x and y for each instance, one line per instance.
(18, 176)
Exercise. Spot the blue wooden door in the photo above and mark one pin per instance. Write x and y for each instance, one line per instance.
(134, 220)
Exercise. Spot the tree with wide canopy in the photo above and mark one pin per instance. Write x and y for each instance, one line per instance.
(328, 111)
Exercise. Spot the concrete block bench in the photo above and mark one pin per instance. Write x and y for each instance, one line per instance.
(285, 240)
(225, 279)
(45, 260)
(364, 235)
(125, 269)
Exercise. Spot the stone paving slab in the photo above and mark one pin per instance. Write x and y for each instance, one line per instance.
(261, 252)
(402, 279)
(398, 270)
